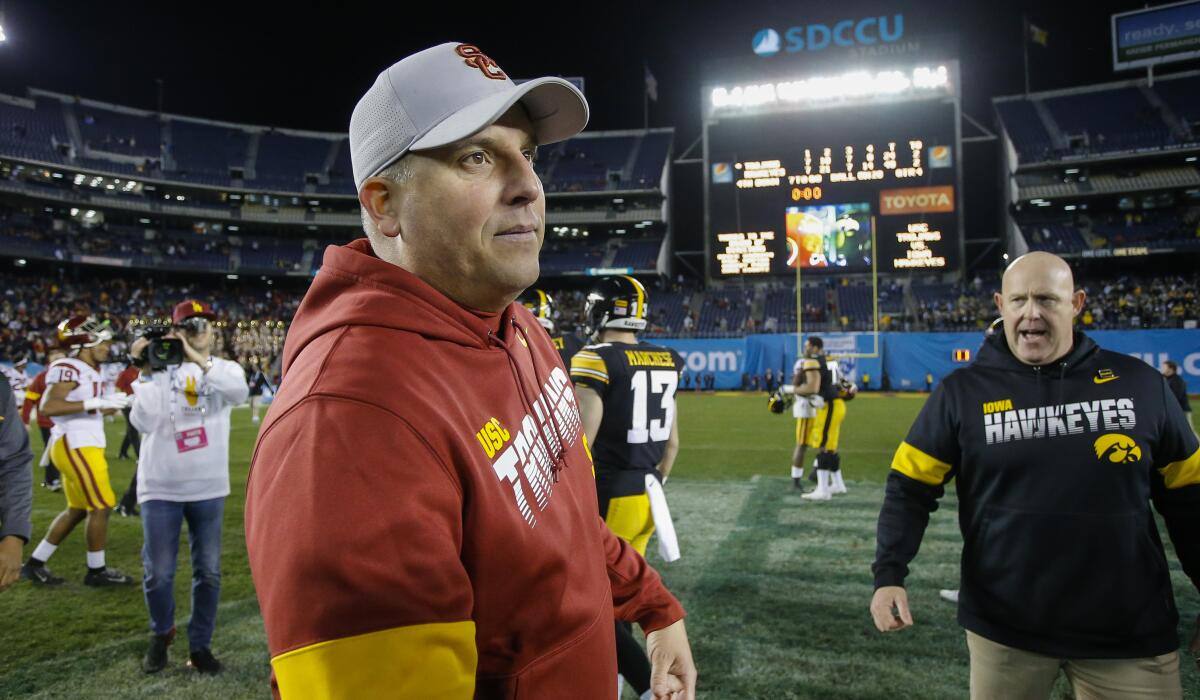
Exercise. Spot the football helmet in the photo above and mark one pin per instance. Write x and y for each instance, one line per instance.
(778, 401)
(541, 305)
(616, 302)
(83, 332)
(847, 390)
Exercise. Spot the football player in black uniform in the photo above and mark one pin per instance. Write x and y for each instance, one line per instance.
(542, 306)
(626, 392)
(827, 426)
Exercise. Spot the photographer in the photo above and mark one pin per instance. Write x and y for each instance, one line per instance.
(181, 407)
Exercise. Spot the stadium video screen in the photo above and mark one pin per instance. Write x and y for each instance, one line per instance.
(809, 189)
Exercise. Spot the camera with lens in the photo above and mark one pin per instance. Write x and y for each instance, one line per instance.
(161, 352)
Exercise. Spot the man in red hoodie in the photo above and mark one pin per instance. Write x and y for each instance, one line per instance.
(33, 397)
(421, 511)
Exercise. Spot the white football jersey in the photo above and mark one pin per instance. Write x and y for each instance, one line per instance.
(16, 379)
(86, 428)
(805, 406)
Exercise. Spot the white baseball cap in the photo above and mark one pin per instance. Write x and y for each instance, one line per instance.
(446, 93)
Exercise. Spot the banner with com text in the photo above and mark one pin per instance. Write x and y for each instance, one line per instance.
(907, 357)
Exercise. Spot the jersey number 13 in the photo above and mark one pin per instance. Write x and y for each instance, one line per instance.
(648, 384)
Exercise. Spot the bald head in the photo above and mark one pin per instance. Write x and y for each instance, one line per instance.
(1038, 302)
(1045, 267)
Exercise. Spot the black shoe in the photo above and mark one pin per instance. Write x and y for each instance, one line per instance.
(101, 578)
(40, 575)
(55, 485)
(797, 484)
(128, 511)
(155, 659)
(203, 661)
(813, 476)
(122, 456)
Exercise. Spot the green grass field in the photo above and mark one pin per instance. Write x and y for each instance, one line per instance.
(776, 587)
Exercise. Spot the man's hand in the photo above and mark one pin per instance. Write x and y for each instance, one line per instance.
(889, 608)
(137, 347)
(672, 671)
(10, 560)
(191, 352)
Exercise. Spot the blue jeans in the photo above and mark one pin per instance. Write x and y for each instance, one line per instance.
(162, 522)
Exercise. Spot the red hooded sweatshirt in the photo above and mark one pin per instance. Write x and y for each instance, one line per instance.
(421, 513)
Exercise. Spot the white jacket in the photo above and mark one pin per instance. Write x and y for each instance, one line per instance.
(183, 416)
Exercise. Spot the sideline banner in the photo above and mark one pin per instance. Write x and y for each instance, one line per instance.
(907, 357)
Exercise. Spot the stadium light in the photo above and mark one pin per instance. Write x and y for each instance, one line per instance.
(856, 84)
(3, 36)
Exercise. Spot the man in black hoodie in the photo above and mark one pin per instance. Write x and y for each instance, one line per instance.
(1058, 448)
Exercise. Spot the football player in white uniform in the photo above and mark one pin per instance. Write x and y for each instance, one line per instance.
(806, 385)
(76, 403)
(16, 375)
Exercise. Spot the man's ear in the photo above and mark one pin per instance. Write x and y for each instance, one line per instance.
(999, 302)
(379, 201)
(1077, 300)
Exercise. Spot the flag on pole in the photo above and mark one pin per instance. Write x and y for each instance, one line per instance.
(651, 83)
(1037, 35)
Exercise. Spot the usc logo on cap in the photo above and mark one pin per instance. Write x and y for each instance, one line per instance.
(197, 307)
(478, 59)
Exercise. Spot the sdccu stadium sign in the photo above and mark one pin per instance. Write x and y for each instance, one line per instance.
(847, 33)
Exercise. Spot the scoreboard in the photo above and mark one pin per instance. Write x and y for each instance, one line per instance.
(836, 188)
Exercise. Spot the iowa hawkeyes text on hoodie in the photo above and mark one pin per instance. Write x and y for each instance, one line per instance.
(1056, 467)
(421, 514)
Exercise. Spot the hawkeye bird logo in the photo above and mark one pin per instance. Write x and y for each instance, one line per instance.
(1118, 449)
(1104, 376)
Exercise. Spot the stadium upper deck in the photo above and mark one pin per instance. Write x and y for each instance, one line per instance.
(57, 129)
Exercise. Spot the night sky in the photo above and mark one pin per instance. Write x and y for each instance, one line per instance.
(269, 64)
(266, 63)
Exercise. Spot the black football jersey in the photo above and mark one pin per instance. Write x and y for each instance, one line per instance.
(830, 378)
(637, 383)
(568, 344)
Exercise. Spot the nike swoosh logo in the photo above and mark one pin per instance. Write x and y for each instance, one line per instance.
(1098, 380)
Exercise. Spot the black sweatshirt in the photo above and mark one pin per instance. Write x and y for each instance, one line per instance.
(1056, 467)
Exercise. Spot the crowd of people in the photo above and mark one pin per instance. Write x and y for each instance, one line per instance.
(250, 329)
(1123, 302)
(254, 323)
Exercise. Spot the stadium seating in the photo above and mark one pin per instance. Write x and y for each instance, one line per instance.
(1103, 119)
(1112, 120)
(284, 160)
(651, 158)
(32, 132)
(856, 303)
(204, 153)
(120, 132)
(1026, 129)
(558, 257)
(724, 312)
(639, 255)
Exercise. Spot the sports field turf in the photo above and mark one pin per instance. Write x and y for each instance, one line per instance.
(776, 587)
